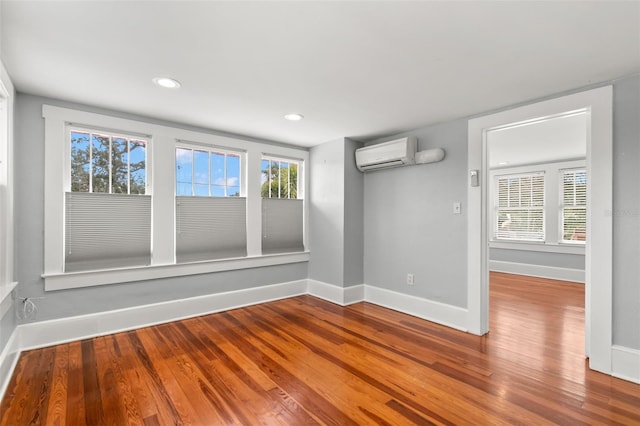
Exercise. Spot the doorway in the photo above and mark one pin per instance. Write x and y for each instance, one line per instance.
(537, 226)
(597, 104)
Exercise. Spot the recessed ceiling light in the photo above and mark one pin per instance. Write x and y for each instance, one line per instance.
(294, 117)
(166, 82)
(503, 163)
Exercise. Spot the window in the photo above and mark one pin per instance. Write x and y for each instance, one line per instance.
(135, 201)
(107, 215)
(110, 164)
(520, 207)
(207, 173)
(210, 214)
(6, 194)
(282, 210)
(573, 206)
(279, 179)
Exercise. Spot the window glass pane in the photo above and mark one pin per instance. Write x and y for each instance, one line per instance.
(80, 162)
(217, 175)
(293, 181)
(233, 175)
(574, 212)
(184, 171)
(520, 208)
(283, 180)
(581, 188)
(279, 179)
(201, 173)
(265, 189)
(119, 166)
(137, 167)
(100, 163)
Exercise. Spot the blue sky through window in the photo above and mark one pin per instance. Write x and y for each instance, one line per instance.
(205, 173)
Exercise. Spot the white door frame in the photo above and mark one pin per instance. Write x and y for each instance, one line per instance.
(598, 252)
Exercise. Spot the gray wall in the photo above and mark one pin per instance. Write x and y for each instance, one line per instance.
(326, 216)
(7, 321)
(29, 207)
(353, 213)
(626, 212)
(557, 260)
(409, 225)
(336, 214)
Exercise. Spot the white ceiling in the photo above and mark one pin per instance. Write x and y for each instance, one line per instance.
(545, 141)
(356, 69)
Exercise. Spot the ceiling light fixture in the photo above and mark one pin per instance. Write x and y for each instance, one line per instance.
(166, 82)
(294, 117)
(503, 163)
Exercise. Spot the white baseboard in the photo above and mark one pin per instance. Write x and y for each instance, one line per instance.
(47, 333)
(441, 313)
(625, 363)
(551, 272)
(339, 295)
(8, 360)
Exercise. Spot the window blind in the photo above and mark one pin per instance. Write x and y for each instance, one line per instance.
(210, 228)
(106, 231)
(282, 225)
(574, 205)
(520, 207)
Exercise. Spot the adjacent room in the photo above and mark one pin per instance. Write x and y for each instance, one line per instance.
(319, 212)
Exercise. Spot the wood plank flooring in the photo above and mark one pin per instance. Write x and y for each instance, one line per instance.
(306, 361)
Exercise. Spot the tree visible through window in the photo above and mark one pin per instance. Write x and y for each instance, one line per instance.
(107, 164)
(279, 179)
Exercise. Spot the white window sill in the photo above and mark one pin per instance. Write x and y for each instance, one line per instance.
(111, 276)
(542, 247)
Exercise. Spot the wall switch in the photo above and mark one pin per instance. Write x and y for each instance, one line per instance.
(457, 208)
(409, 279)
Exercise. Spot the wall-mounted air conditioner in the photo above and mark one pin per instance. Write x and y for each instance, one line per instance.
(399, 152)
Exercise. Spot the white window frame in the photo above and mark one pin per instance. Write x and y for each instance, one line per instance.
(213, 149)
(160, 156)
(113, 134)
(295, 161)
(561, 206)
(496, 203)
(7, 283)
(553, 243)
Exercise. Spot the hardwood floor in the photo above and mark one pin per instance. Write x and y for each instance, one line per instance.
(306, 361)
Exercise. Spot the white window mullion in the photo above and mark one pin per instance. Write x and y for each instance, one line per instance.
(90, 162)
(110, 166)
(129, 167)
(226, 192)
(209, 173)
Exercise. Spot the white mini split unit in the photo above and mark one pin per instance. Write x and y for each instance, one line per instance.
(399, 152)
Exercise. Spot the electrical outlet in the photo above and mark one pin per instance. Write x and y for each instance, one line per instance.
(410, 279)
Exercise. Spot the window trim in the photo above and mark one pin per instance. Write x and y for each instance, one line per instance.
(160, 156)
(561, 205)
(195, 146)
(496, 205)
(289, 161)
(552, 244)
(113, 134)
(7, 283)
